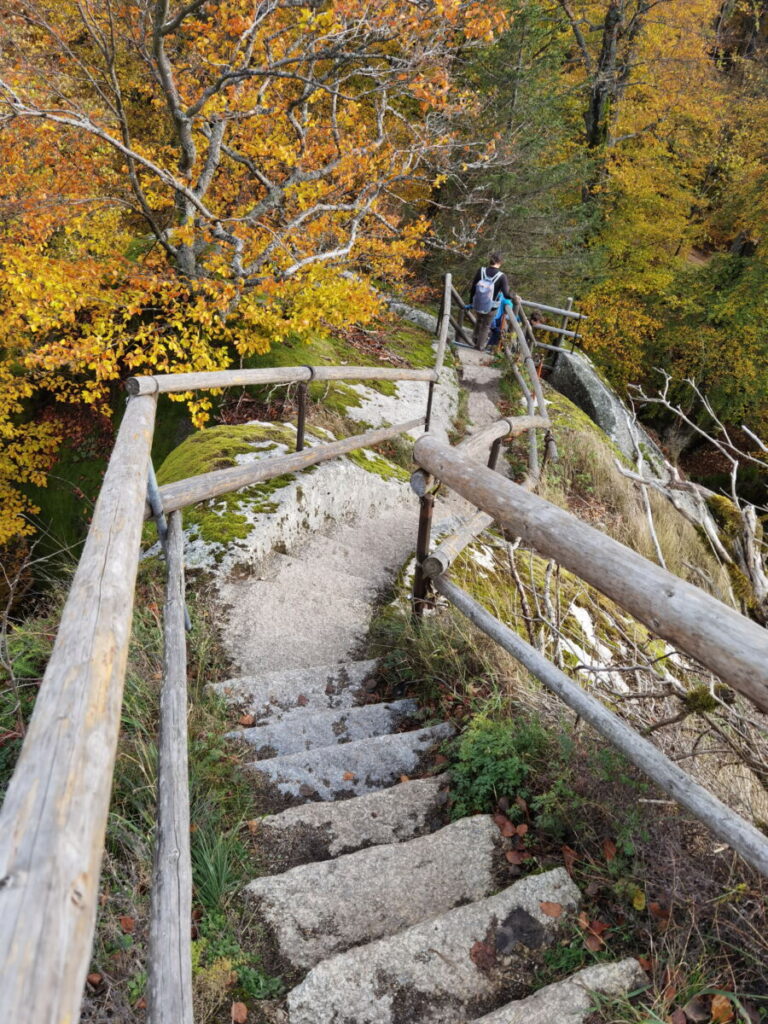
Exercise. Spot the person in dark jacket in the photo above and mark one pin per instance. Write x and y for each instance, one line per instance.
(490, 275)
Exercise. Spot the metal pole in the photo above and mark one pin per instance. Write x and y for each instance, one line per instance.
(421, 584)
(156, 504)
(428, 416)
(302, 417)
(493, 458)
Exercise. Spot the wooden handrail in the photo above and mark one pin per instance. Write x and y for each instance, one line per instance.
(221, 481)
(481, 441)
(176, 382)
(717, 636)
(169, 965)
(54, 817)
(725, 823)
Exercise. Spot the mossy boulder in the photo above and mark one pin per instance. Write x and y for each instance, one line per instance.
(247, 524)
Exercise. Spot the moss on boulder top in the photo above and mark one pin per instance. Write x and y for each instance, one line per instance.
(224, 528)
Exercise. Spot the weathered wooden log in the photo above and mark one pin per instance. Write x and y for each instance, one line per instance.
(469, 313)
(440, 560)
(222, 481)
(443, 325)
(459, 332)
(479, 443)
(706, 629)
(169, 990)
(175, 382)
(739, 834)
(557, 330)
(54, 817)
(571, 314)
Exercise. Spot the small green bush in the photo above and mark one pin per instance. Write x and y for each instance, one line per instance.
(494, 759)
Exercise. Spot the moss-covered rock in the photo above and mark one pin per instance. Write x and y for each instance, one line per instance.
(246, 524)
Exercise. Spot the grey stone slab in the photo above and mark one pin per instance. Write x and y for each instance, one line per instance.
(305, 730)
(316, 910)
(318, 831)
(435, 972)
(329, 773)
(570, 1001)
(320, 688)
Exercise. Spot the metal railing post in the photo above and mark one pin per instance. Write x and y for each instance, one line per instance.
(428, 416)
(421, 584)
(302, 416)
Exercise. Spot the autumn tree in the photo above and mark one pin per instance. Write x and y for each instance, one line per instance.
(185, 182)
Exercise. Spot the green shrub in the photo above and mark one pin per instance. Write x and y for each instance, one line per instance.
(494, 759)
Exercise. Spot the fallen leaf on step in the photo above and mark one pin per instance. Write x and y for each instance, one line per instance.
(483, 955)
(302, 701)
(722, 1010)
(645, 963)
(521, 829)
(569, 858)
(609, 849)
(127, 924)
(504, 825)
(405, 778)
(239, 1013)
(253, 825)
(593, 943)
(246, 720)
(551, 909)
(349, 776)
(516, 856)
(94, 979)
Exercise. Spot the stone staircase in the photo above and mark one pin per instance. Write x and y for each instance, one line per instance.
(376, 909)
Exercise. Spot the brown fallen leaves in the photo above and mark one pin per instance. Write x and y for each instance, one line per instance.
(594, 932)
(551, 909)
(239, 1013)
(246, 720)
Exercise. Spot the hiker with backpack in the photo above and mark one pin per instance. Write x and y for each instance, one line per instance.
(489, 284)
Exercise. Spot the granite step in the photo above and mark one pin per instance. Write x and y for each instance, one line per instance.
(317, 910)
(318, 831)
(451, 968)
(571, 1001)
(352, 769)
(305, 730)
(272, 694)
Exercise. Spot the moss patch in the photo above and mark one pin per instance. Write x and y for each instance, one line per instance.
(372, 462)
(218, 448)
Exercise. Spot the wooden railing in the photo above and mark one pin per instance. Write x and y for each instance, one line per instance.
(53, 820)
(732, 646)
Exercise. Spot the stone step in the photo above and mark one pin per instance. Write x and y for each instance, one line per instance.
(304, 730)
(352, 769)
(318, 831)
(442, 971)
(569, 1001)
(319, 688)
(316, 910)
(345, 551)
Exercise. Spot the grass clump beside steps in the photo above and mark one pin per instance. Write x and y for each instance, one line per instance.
(226, 965)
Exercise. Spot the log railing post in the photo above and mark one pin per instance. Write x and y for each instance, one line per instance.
(169, 992)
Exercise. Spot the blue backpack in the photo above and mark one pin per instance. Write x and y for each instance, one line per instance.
(482, 300)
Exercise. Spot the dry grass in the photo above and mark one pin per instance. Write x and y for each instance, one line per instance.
(587, 482)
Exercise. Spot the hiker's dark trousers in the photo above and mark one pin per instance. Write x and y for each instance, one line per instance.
(483, 323)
